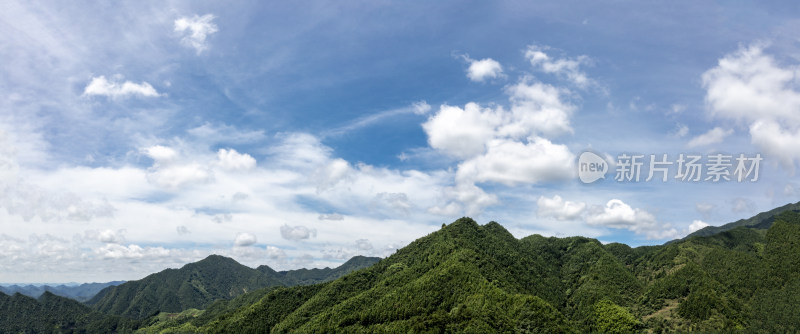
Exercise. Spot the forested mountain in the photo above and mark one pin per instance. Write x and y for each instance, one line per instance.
(314, 276)
(196, 285)
(174, 290)
(55, 314)
(82, 292)
(473, 279)
(480, 279)
(760, 221)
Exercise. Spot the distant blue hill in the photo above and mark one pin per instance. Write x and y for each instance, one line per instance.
(81, 293)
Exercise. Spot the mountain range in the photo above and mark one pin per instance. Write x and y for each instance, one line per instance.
(467, 278)
(197, 284)
(79, 292)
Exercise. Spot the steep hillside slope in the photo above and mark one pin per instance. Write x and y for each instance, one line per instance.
(471, 278)
(173, 290)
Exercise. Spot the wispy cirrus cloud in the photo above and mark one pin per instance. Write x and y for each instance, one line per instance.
(195, 30)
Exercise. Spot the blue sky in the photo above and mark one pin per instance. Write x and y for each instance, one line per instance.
(150, 134)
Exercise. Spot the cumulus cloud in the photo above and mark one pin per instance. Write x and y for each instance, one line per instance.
(618, 214)
(713, 136)
(696, 225)
(558, 208)
(244, 239)
(100, 86)
(106, 236)
(296, 233)
(195, 30)
(168, 171)
(132, 251)
(750, 87)
(462, 133)
(564, 67)
(231, 160)
(513, 162)
(161, 153)
(537, 108)
(509, 146)
(275, 253)
(29, 201)
(176, 176)
(480, 70)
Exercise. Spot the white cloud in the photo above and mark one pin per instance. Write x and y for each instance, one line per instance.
(777, 141)
(244, 239)
(102, 87)
(559, 208)
(696, 225)
(161, 153)
(171, 172)
(462, 133)
(332, 173)
(713, 136)
(195, 30)
(513, 162)
(537, 108)
(498, 145)
(564, 67)
(618, 214)
(275, 253)
(421, 107)
(417, 108)
(116, 251)
(748, 86)
(234, 161)
(106, 236)
(295, 233)
(480, 70)
(176, 176)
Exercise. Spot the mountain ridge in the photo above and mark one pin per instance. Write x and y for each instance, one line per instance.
(197, 284)
(81, 292)
(762, 220)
